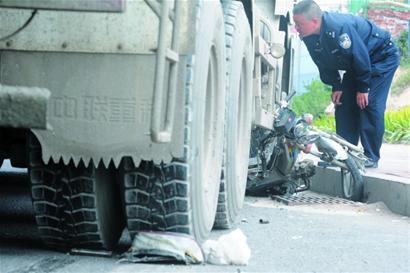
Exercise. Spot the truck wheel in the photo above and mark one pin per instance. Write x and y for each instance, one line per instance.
(238, 119)
(182, 196)
(74, 206)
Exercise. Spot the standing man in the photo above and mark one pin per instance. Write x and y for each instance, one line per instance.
(369, 58)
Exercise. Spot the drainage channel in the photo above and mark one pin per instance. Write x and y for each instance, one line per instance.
(308, 198)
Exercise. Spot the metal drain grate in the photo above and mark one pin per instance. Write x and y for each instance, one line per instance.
(310, 199)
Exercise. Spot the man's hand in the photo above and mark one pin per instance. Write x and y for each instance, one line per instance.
(336, 96)
(362, 99)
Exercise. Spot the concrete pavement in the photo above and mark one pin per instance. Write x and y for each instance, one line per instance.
(395, 160)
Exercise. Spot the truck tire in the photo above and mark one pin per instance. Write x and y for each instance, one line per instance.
(182, 196)
(238, 119)
(74, 206)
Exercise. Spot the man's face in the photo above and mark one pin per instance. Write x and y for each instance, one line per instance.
(306, 27)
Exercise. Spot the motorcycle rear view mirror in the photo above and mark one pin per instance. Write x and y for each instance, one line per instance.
(277, 50)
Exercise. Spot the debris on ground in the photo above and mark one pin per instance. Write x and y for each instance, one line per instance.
(163, 247)
(263, 221)
(90, 252)
(229, 249)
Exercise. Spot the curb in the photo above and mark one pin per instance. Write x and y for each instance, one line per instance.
(393, 191)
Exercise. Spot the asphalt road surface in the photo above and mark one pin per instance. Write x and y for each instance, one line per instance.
(314, 238)
(302, 238)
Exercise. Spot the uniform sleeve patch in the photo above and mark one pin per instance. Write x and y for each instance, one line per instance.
(344, 41)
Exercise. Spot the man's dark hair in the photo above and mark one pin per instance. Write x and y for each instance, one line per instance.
(308, 8)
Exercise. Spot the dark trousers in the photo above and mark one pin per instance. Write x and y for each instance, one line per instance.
(368, 124)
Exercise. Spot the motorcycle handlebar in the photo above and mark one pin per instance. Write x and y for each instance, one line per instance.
(290, 96)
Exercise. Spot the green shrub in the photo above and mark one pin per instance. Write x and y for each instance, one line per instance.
(325, 123)
(397, 126)
(314, 101)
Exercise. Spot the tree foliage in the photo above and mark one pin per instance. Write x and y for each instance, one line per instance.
(402, 44)
(314, 101)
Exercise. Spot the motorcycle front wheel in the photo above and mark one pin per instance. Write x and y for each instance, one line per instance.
(352, 180)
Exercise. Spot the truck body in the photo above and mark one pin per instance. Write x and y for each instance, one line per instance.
(122, 110)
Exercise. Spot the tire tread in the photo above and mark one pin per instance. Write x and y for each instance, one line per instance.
(231, 10)
(64, 203)
(159, 199)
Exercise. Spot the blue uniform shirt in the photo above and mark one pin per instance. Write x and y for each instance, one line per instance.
(350, 43)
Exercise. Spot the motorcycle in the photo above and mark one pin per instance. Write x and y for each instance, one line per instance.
(274, 166)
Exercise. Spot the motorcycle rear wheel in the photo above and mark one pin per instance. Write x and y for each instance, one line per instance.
(352, 181)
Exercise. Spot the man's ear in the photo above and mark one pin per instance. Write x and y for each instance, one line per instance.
(316, 21)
